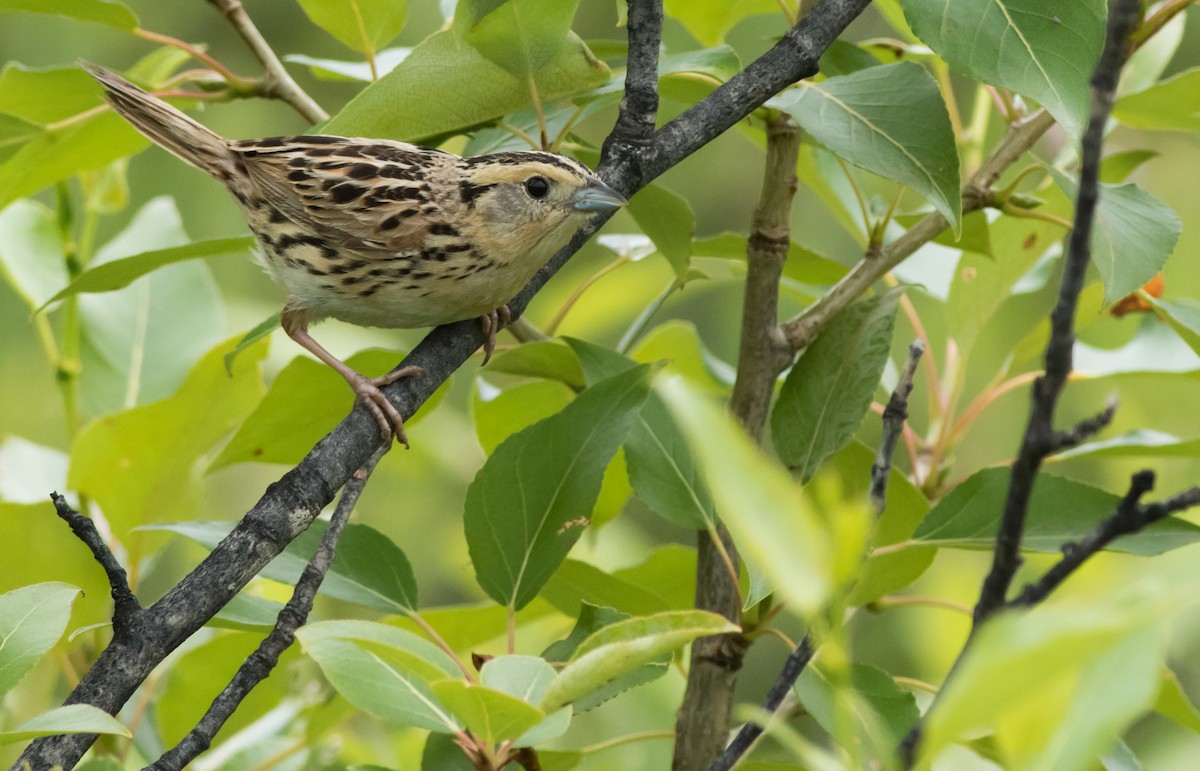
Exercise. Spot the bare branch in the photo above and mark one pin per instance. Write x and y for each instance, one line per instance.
(125, 604)
(1039, 433)
(894, 416)
(1040, 436)
(1129, 517)
(259, 664)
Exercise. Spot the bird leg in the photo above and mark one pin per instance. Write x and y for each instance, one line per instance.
(491, 324)
(390, 420)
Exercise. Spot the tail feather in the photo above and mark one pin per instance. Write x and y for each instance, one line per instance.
(166, 126)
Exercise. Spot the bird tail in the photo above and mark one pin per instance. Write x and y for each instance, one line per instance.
(164, 125)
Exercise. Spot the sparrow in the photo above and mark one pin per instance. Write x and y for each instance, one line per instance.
(381, 233)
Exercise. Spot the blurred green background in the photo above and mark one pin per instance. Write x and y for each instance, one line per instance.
(416, 496)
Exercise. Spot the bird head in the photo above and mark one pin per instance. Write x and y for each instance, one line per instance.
(532, 202)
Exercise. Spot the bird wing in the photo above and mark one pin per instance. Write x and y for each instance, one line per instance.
(368, 196)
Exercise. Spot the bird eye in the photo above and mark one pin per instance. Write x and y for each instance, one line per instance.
(537, 187)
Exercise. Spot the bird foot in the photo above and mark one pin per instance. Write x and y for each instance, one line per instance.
(492, 323)
(368, 391)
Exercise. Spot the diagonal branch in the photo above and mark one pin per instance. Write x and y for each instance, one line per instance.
(289, 505)
(259, 664)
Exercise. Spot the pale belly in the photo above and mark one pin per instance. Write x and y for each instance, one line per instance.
(426, 296)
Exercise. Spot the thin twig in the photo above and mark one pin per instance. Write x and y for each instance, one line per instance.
(894, 417)
(259, 664)
(1129, 517)
(277, 82)
(749, 733)
(1040, 437)
(125, 604)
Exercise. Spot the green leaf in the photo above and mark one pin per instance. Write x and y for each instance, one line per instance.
(306, 400)
(197, 677)
(522, 36)
(1135, 233)
(575, 585)
(67, 142)
(493, 716)
(140, 342)
(1042, 49)
(803, 265)
(363, 25)
(120, 273)
(1174, 703)
(904, 510)
(15, 132)
(263, 329)
(1183, 314)
(441, 753)
(1056, 684)
(517, 540)
(246, 612)
(1060, 510)
(668, 220)
(626, 645)
(382, 670)
(882, 713)
(710, 20)
(103, 12)
(719, 63)
(33, 550)
(547, 359)
(30, 471)
(1140, 442)
(32, 256)
(71, 719)
(774, 526)
(500, 414)
(334, 69)
(369, 569)
(829, 390)
(889, 120)
(662, 471)
(591, 620)
(446, 64)
(142, 465)
(32, 619)
(1172, 105)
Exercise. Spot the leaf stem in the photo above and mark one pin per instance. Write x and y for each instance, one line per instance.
(586, 284)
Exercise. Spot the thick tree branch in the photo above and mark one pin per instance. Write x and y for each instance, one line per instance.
(276, 83)
(259, 664)
(705, 715)
(289, 505)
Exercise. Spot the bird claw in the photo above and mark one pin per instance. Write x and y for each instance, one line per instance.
(389, 418)
(492, 323)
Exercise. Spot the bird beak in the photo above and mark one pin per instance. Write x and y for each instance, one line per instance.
(597, 197)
